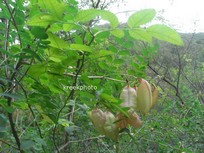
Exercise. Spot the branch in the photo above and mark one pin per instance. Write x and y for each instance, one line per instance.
(168, 82)
(9, 144)
(14, 22)
(33, 114)
(88, 139)
(179, 71)
(96, 77)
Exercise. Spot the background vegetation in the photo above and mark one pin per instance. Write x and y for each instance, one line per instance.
(48, 46)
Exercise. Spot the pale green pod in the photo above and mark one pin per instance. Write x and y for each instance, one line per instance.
(155, 94)
(144, 96)
(98, 119)
(110, 127)
(104, 122)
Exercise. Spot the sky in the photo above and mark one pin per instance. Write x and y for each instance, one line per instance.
(182, 15)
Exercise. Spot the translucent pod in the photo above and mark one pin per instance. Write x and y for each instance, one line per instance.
(128, 97)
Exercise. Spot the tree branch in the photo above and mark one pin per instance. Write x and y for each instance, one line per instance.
(9, 144)
(168, 82)
(88, 139)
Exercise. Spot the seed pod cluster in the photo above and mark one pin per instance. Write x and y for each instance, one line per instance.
(141, 98)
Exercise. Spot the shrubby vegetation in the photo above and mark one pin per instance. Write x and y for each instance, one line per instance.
(50, 47)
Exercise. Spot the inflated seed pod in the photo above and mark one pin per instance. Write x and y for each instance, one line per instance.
(104, 122)
(134, 120)
(110, 127)
(144, 96)
(155, 94)
(128, 96)
(98, 119)
(122, 121)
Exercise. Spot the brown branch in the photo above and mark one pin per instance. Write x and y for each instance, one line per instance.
(179, 72)
(14, 21)
(96, 77)
(33, 114)
(168, 82)
(10, 84)
(9, 144)
(88, 139)
(12, 125)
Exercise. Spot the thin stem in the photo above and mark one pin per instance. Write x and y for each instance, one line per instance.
(96, 77)
(78, 141)
(168, 82)
(117, 147)
(13, 129)
(14, 21)
(8, 144)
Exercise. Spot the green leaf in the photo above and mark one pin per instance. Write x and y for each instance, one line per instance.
(27, 144)
(81, 47)
(87, 15)
(3, 122)
(124, 53)
(8, 109)
(63, 122)
(90, 14)
(109, 16)
(118, 33)
(108, 98)
(122, 110)
(19, 17)
(41, 20)
(165, 33)
(105, 52)
(56, 55)
(39, 32)
(10, 95)
(141, 17)
(118, 61)
(37, 70)
(140, 34)
(68, 26)
(21, 105)
(40, 141)
(32, 53)
(56, 42)
(55, 7)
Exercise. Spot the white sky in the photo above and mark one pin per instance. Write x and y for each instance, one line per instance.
(183, 15)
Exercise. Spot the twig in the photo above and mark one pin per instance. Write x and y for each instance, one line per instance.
(10, 85)
(168, 82)
(96, 77)
(14, 21)
(117, 147)
(178, 77)
(9, 144)
(92, 138)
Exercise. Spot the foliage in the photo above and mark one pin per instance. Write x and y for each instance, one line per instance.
(57, 63)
